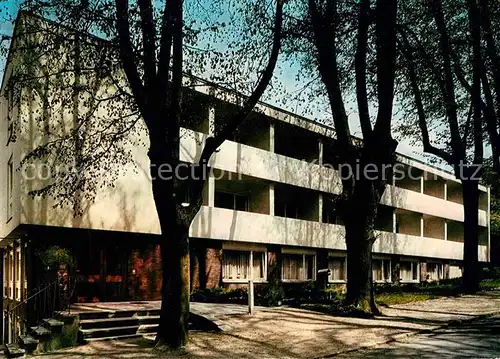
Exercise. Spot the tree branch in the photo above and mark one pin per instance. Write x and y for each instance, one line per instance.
(449, 90)
(477, 69)
(422, 122)
(162, 79)
(360, 66)
(148, 42)
(324, 33)
(212, 143)
(385, 14)
(127, 55)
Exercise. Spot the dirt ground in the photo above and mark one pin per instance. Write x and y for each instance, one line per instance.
(294, 333)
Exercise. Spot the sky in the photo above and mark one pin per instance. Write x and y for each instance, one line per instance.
(287, 77)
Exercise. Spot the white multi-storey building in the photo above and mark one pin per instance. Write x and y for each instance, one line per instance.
(269, 210)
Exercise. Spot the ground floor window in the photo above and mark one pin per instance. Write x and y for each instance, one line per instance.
(337, 266)
(435, 271)
(298, 267)
(381, 270)
(244, 265)
(408, 271)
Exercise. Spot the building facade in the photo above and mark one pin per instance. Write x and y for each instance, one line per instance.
(269, 209)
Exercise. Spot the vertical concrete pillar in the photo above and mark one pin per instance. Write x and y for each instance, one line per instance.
(320, 208)
(445, 191)
(271, 199)
(271, 137)
(394, 221)
(250, 296)
(14, 268)
(211, 190)
(421, 225)
(422, 179)
(320, 155)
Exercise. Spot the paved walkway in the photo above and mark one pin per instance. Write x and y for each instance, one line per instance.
(294, 333)
(476, 338)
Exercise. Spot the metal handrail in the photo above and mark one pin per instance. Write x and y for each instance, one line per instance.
(46, 285)
(46, 305)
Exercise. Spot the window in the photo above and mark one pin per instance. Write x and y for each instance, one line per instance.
(330, 212)
(233, 201)
(408, 271)
(337, 266)
(381, 270)
(434, 271)
(236, 266)
(288, 210)
(298, 267)
(10, 188)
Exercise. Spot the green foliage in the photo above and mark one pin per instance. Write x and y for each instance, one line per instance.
(402, 298)
(490, 284)
(54, 256)
(69, 335)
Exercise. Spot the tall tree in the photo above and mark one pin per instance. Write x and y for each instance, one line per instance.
(146, 41)
(436, 81)
(360, 193)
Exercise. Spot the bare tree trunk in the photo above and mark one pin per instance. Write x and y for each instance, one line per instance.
(359, 228)
(174, 246)
(358, 271)
(471, 208)
(173, 328)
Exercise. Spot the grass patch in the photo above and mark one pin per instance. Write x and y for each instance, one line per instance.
(490, 284)
(402, 298)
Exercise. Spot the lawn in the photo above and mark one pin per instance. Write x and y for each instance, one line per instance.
(402, 298)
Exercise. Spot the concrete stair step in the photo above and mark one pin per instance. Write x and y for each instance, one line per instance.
(53, 325)
(149, 319)
(147, 328)
(40, 331)
(108, 322)
(95, 315)
(14, 351)
(149, 312)
(114, 337)
(108, 332)
(28, 343)
(116, 314)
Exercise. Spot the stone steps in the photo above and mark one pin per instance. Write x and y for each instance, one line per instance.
(108, 325)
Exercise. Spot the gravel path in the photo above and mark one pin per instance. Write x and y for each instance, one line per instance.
(296, 333)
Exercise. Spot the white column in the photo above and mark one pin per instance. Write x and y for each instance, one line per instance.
(320, 207)
(271, 137)
(394, 221)
(320, 156)
(250, 297)
(445, 230)
(422, 183)
(271, 199)
(421, 225)
(211, 190)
